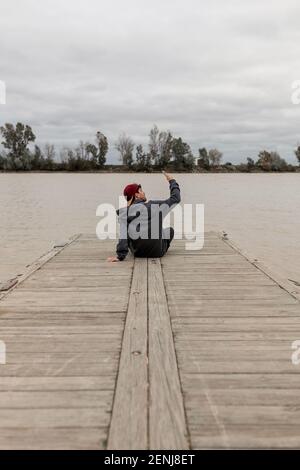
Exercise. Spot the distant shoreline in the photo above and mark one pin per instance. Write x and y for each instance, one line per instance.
(166, 152)
(127, 171)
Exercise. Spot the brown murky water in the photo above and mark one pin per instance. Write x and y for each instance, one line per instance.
(261, 213)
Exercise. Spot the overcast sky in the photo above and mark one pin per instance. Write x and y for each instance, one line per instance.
(218, 73)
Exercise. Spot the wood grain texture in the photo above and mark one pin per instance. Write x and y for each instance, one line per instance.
(129, 424)
(168, 429)
(233, 325)
(189, 351)
(63, 327)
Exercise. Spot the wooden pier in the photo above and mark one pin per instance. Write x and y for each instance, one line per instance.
(192, 351)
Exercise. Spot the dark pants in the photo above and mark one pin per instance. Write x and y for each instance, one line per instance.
(141, 248)
(167, 241)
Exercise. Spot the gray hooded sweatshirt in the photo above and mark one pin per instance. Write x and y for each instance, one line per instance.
(141, 226)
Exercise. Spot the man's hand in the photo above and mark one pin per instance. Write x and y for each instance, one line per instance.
(113, 259)
(168, 176)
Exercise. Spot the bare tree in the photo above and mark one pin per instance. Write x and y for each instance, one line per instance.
(203, 161)
(215, 157)
(250, 163)
(103, 148)
(182, 154)
(271, 161)
(297, 153)
(143, 159)
(81, 150)
(125, 147)
(92, 153)
(165, 140)
(154, 144)
(49, 152)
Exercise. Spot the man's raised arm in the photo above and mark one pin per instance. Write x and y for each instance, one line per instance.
(175, 196)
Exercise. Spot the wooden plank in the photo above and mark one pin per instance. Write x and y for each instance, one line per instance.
(263, 295)
(60, 399)
(237, 366)
(243, 397)
(240, 381)
(237, 301)
(213, 283)
(106, 306)
(54, 418)
(247, 437)
(49, 330)
(129, 424)
(35, 320)
(53, 384)
(55, 369)
(64, 438)
(61, 343)
(233, 310)
(89, 357)
(238, 354)
(236, 324)
(257, 415)
(230, 337)
(168, 429)
(73, 282)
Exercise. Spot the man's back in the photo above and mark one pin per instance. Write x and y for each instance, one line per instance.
(141, 226)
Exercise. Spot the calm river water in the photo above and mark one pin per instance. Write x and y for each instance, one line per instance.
(260, 212)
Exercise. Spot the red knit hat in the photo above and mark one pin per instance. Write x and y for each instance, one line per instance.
(131, 190)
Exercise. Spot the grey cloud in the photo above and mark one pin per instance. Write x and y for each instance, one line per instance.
(218, 73)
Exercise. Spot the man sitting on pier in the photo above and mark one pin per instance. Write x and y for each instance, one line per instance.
(141, 229)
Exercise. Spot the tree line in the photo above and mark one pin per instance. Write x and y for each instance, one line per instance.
(21, 153)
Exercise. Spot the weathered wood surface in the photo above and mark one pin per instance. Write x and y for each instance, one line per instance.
(129, 424)
(63, 328)
(233, 328)
(6, 287)
(167, 421)
(148, 408)
(190, 351)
